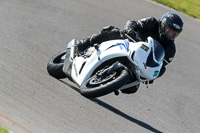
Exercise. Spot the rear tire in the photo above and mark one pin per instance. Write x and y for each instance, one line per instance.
(55, 65)
(93, 87)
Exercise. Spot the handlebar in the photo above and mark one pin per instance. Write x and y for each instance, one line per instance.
(130, 37)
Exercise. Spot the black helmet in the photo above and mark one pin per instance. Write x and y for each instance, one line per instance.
(170, 26)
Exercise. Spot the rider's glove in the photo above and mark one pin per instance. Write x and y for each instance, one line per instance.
(131, 33)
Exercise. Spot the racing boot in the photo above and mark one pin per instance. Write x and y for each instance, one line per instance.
(81, 46)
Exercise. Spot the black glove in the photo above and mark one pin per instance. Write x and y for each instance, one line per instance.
(131, 33)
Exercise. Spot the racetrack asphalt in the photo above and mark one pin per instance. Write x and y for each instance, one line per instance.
(31, 101)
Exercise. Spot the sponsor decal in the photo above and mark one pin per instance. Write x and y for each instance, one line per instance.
(156, 73)
(170, 16)
(120, 46)
(144, 47)
(124, 45)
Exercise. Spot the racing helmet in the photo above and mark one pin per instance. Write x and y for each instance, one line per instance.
(171, 25)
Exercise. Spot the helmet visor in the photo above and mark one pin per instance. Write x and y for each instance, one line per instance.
(170, 33)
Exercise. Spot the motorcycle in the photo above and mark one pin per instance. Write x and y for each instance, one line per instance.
(110, 66)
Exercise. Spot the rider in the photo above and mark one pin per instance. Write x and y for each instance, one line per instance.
(164, 30)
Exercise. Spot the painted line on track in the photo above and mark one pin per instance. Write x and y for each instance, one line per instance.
(6, 118)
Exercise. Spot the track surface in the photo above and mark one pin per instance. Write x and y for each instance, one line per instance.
(31, 101)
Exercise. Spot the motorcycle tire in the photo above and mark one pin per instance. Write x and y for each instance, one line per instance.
(90, 89)
(55, 65)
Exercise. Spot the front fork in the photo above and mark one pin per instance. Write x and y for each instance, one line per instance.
(69, 57)
(118, 66)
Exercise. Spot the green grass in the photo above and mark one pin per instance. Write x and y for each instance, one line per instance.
(3, 130)
(190, 7)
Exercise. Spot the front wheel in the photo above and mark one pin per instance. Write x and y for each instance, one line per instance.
(55, 65)
(101, 85)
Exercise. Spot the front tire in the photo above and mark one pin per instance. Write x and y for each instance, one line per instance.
(96, 87)
(55, 65)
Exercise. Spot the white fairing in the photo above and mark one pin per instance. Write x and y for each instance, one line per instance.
(140, 59)
(93, 61)
(82, 68)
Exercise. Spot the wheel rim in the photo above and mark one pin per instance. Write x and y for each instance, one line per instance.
(99, 80)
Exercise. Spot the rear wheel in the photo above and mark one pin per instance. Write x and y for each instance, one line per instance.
(102, 84)
(55, 65)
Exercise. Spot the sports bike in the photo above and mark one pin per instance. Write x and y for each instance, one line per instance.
(110, 66)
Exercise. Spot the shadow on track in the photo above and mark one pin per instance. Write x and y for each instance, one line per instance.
(116, 111)
(122, 114)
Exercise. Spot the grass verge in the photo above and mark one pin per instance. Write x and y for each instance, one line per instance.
(3, 130)
(190, 7)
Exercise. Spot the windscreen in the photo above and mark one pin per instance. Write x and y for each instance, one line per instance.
(156, 55)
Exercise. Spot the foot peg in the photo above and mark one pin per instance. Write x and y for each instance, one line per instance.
(116, 92)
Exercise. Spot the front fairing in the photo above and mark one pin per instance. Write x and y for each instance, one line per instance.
(148, 58)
